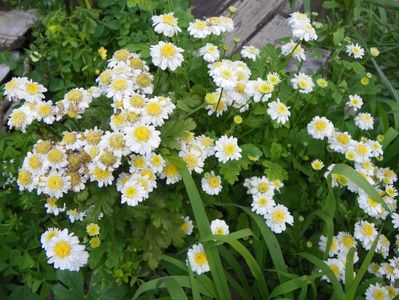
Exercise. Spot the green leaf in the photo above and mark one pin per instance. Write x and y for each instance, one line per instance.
(385, 81)
(71, 286)
(339, 36)
(349, 268)
(389, 136)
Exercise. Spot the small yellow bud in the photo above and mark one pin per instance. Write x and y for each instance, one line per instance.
(364, 81)
(93, 229)
(97, 71)
(95, 242)
(232, 9)
(103, 53)
(321, 82)
(317, 165)
(237, 119)
(236, 40)
(380, 138)
(225, 47)
(309, 244)
(374, 52)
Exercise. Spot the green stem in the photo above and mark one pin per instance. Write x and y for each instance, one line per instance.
(220, 98)
(195, 110)
(88, 5)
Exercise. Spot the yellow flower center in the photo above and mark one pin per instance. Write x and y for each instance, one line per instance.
(191, 160)
(368, 229)
(136, 63)
(154, 109)
(185, 227)
(362, 149)
(303, 84)
(240, 87)
(372, 202)
(52, 202)
(50, 235)
(12, 84)
(35, 162)
(171, 170)
(143, 80)
(119, 84)
(263, 187)
(69, 138)
(24, 177)
(18, 117)
(335, 270)
(101, 174)
(105, 77)
(348, 241)
(107, 158)
(278, 216)
(121, 54)
(169, 20)
(168, 50)
(262, 202)
(95, 242)
(75, 96)
(343, 139)
(32, 88)
(55, 182)
(116, 141)
(213, 182)
(379, 294)
(200, 25)
(62, 249)
(200, 258)
(320, 125)
(55, 156)
(142, 134)
(281, 108)
(219, 231)
(43, 147)
(229, 149)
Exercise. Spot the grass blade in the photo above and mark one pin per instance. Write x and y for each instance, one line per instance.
(249, 259)
(349, 269)
(176, 281)
(204, 229)
(350, 294)
(326, 271)
(389, 137)
(385, 81)
(360, 181)
(385, 3)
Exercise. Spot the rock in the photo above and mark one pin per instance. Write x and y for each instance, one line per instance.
(13, 25)
(5, 68)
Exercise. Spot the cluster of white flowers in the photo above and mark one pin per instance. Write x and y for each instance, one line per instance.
(262, 191)
(63, 249)
(200, 29)
(301, 27)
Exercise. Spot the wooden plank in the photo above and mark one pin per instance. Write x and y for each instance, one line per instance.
(273, 31)
(251, 16)
(210, 8)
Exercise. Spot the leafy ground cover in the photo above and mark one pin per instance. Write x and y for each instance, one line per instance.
(162, 168)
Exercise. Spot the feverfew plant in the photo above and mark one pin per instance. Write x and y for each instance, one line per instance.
(175, 133)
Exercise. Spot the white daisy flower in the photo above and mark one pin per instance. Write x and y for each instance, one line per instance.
(197, 259)
(376, 292)
(33, 162)
(383, 246)
(355, 101)
(369, 205)
(166, 55)
(211, 183)
(102, 175)
(166, 24)
(277, 217)
(320, 127)
(278, 111)
(303, 83)
(52, 207)
(65, 252)
(250, 52)
(56, 158)
(187, 226)
(193, 159)
(154, 112)
(75, 215)
(260, 89)
(170, 173)
(355, 50)
(261, 186)
(366, 233)
(297, 18)
(364, 121)
(219, 227)
(334, 246)
(296, 49)
(33, 91)
(20, 118)
(45, 112)
(340, 141)
(14, 89)
(142, 138)
(199, 29)
(337, 267)
(262, 203)
(55, 184)
(133, 192)
(47, 236)
(386, 175)
(226, 148)
(209, 52)
(26, 180)
(156, 162)
(304, 31)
